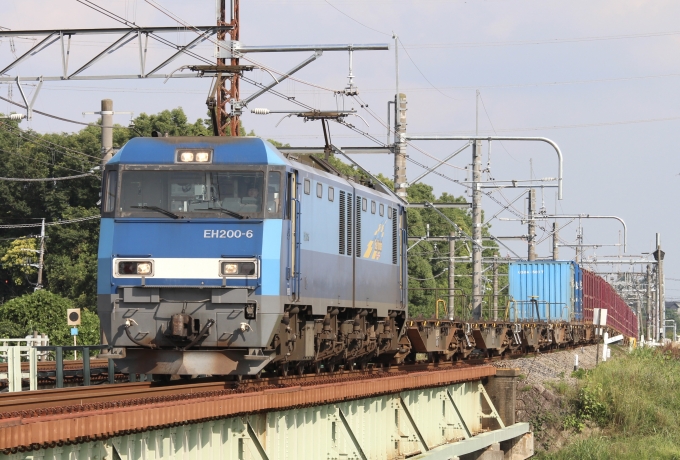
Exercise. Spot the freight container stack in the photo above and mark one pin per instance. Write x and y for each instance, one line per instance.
(562, 291)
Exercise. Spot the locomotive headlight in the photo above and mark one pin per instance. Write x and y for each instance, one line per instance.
(202, 157)
(238, 268)
(229, 269)
(144, 268)
(132, 268)
(193, 156)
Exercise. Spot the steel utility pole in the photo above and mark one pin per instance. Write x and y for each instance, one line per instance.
(495, 287)
(532, 224)
(556, 249)
(452, 273)
(228, 123)
(107, 130)
(476, 229)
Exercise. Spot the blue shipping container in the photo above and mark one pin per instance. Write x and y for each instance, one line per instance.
(578, 293)
(541, 291)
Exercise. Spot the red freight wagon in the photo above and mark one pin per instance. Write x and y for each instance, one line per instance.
(598, 293)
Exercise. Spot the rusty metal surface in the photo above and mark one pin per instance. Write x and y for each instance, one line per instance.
(47, 366)
(34, 420)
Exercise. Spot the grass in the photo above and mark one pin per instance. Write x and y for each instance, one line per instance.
(635, 401)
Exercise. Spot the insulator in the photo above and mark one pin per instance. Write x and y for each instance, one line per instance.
(260, 111)
(16, 116)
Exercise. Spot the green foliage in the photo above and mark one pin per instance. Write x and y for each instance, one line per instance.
(45, 312)
(18, 257)
(579, 374)
(428, 261)
(634, 399)
(174, 122)
(71, 250)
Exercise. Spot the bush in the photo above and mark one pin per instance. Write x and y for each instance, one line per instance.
(634, 399)
(45, 312)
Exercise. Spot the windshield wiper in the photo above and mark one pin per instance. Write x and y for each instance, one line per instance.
(226, 211)
(219, 208)
(157, 209)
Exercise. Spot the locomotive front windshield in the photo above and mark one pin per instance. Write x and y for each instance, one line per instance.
(195, 193)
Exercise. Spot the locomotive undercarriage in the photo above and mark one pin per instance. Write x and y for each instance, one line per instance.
(344, 336)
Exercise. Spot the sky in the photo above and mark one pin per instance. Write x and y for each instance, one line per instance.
(597, 77)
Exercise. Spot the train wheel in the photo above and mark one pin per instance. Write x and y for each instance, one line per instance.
(330, 367)
(363, 365)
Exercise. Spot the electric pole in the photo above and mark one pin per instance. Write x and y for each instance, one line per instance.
(400, 147)
(452, 274)
(649, 303)
(661, 298)
(532, 224)
(495, 287)
(476, 229)
(42, 256)
(228, 122)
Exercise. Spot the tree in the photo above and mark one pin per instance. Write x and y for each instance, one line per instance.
(17, 260)
(45, 312)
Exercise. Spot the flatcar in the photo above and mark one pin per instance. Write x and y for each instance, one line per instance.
(224, 256)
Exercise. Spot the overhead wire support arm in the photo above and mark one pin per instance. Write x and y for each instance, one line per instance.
(317, 54)
(243, 49)
(588, 216)
(501, 138)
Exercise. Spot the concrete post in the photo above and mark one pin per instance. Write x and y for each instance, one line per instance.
(556, 249)
(532, 224)
(648, 302)
(502, 390)
(452, 274)
(660, 288)
(476, 230)
(400, 147)
(107, 130)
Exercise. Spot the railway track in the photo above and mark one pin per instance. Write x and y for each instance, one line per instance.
(76, 398)
(71, 365)
(62, 400)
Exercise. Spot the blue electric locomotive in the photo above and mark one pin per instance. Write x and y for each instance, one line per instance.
(224, 256)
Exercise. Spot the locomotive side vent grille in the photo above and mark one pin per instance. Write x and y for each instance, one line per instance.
(341, 243)
(358, 236)
(394, 236)
(349, 224)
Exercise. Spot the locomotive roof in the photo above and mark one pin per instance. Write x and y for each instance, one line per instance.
(226, 150)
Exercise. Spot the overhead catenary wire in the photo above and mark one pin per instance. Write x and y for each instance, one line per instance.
(41, 161)
(63, 149)
(133, 26)
(47, 179)
(59, 222)
(188, 25)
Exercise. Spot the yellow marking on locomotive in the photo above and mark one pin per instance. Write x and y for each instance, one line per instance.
(374, 246)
